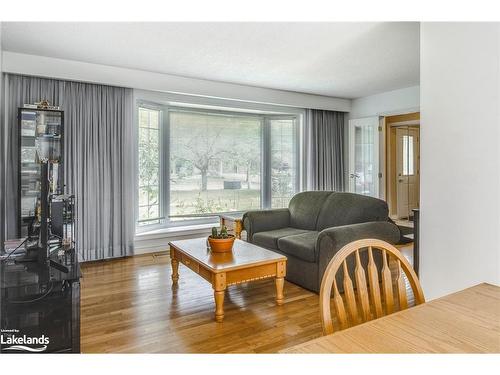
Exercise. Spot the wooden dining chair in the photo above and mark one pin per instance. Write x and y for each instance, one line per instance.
(366, 301)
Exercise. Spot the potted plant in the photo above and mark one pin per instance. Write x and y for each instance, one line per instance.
(221, 242)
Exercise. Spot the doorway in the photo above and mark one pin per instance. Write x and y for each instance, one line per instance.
(403, 165)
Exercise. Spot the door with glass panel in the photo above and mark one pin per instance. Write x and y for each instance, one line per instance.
(364, 156)
(407, 170)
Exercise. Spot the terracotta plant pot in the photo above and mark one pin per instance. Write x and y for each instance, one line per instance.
(221, 245)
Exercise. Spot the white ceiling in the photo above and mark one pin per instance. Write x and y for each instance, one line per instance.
(346, 60)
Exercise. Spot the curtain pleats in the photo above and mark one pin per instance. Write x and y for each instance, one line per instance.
(98, 159)
(324, 145)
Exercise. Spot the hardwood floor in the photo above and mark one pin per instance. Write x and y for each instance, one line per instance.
(129, 306)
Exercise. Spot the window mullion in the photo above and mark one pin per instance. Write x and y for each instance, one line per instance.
(165, 165)
(298, 169)
(266, 163)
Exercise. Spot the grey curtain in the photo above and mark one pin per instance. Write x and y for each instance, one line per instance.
(98, 162)
(324, 148)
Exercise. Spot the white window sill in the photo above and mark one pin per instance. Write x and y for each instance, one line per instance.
(186, 230)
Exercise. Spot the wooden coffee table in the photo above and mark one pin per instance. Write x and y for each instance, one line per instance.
(247, 262)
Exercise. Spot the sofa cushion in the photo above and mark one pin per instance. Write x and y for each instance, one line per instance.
(302, 246)
(270, 238)
(348, 208)
(305, 207)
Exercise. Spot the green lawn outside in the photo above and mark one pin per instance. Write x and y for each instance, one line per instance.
(195, 202)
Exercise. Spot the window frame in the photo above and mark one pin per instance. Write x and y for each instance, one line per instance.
(161, 129)
(268, 149)
(164, 176)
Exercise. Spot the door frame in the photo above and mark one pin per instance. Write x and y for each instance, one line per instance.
(412, 200)
(390, 123)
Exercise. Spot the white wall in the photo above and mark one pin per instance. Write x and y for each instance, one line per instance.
(79, 71)
(460, 160)
(404, 100)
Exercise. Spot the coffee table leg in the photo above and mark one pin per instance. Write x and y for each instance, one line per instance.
(219, 285)
(280, 282)
(219, 305)
(175, 266)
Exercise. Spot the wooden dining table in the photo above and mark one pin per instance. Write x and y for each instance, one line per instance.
(463, 322)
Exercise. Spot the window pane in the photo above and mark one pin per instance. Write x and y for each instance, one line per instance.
(283, 162)
(153, 195)
(408, 162)
(153, 121)
(143, 118)
(143, 212)
(215, 163)
(153, 211)
(410, 155)
(143, 196)
(149, 166)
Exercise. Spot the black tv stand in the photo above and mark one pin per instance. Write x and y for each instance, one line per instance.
(38, 299)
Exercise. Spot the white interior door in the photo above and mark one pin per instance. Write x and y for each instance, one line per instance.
(407, 171)
(364, 156)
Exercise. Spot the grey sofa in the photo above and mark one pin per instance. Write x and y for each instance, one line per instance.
(315, 226)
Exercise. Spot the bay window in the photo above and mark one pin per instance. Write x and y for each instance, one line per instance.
(197, 163)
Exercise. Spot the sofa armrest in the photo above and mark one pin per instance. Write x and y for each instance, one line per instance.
(331, 240)
(264, 220)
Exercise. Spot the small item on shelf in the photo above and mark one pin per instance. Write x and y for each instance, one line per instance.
(52, 127)
(48, 148)
(42, 104)
(67, 243)
(28, 154)
(41, 125)
(55, 177)
(28, 206)
(28, 124)
(221, 242)
(37, 211)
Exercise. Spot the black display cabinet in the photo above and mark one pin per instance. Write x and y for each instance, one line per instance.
(40, 273)
(43, 128)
